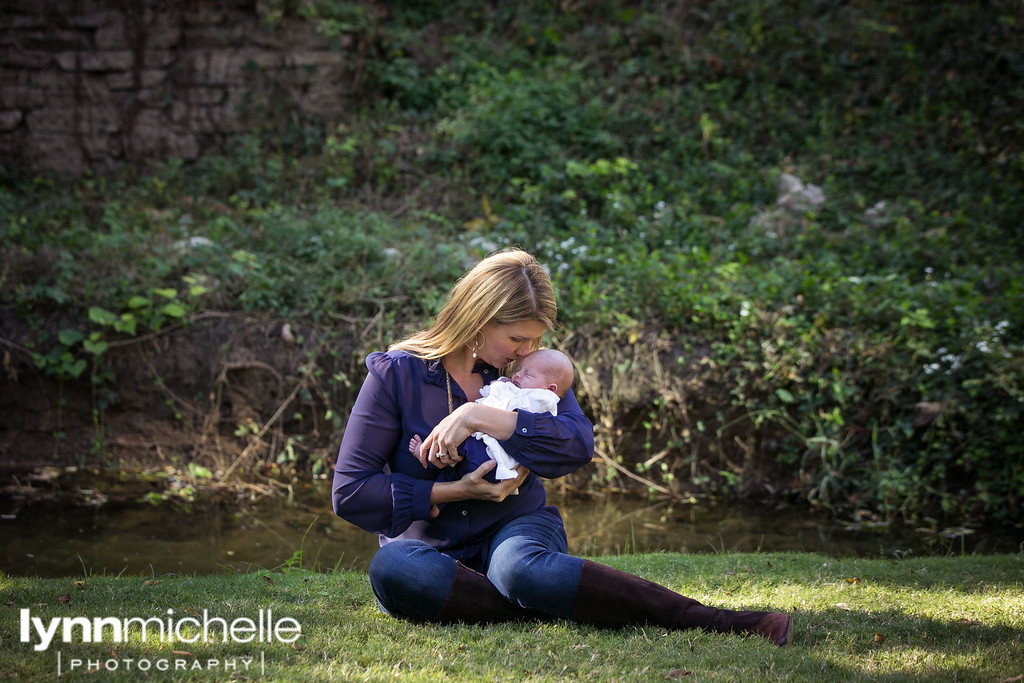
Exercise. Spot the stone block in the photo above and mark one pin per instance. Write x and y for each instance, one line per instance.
(163, 31)
(89, 17)
(11, 145)
(50, 120)
(10, 119)
(288, 33)
(333, 74)
(158, 59)
(326, 100)
(99, 120)
(110, 35)
(196, 119)
(17, 58)
(55, 151)
(147, 79)
(206, 97)
(153, 137)
(51, 81)
(17, 96)
(46, 39)
(92, 92)
(225, 67)
(219, 36)
(118, 60)
(25, 19)
(314, 59)
(238, 98)
(94, 147)
(148, 121)
(203, 14)
(295, 33)
(247, 58)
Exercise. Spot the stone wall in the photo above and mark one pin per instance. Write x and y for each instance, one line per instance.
(93, 84)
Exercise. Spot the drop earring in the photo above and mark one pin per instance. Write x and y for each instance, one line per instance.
(476, 345)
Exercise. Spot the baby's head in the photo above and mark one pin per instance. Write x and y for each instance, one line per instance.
(545, 369)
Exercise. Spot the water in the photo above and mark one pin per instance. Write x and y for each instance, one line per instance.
(120, 535)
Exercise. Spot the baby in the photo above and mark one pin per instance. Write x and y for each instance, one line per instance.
(542, 379)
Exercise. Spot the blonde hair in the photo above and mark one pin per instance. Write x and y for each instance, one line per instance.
(506, 287)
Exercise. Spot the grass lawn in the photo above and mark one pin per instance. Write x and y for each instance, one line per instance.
(946, 619)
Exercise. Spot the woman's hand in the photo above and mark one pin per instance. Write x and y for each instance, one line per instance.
(441, 447)
(478, 488)
(464, 421)
(473, 486)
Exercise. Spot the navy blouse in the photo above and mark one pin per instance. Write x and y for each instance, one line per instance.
(381, 487)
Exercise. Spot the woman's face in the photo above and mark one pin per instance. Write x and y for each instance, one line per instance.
(506, 343)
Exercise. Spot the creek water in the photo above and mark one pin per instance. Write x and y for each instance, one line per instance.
(41, 538)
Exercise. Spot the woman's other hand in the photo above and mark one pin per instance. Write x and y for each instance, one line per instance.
(433, 452)
(463, 422)
(478, 488)
(441, 447)
(473, 486)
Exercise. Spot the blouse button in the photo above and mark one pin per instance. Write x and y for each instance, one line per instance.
(524, 430)
(464, 513)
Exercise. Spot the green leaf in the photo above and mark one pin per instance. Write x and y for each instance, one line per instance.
(126, 324)
(167, 293)
(173, 310)
(101, 316)
(77, 368)
(198, 471)
(784, 396)
(57, 294)
(70, 337)
(96, 348)
(138, 302)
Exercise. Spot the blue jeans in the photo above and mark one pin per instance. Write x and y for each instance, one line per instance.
(527, 562)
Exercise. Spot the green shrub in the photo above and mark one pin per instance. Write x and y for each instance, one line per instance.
(865, 350)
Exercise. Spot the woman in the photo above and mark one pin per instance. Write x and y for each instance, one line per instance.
(468, 550)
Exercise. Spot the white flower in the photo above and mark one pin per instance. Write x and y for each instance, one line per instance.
(952, 360)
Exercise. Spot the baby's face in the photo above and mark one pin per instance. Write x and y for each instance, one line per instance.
(530, 376)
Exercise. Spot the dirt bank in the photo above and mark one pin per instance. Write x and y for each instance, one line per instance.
(221, 388)
(240, 395)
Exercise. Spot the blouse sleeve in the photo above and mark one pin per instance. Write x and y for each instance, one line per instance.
(366, 492)
(552, 445)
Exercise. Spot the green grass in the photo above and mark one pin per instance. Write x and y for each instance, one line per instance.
(942, 619)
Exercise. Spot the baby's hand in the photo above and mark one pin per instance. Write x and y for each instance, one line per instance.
(414, 444)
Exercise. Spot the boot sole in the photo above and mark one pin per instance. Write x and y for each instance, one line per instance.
(787, 639)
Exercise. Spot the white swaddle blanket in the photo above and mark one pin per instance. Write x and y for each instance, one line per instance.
(505, 395)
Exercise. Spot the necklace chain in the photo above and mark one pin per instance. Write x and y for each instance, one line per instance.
(448, 381)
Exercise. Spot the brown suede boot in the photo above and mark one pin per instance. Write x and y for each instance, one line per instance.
(610, 598)
(473, 599)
